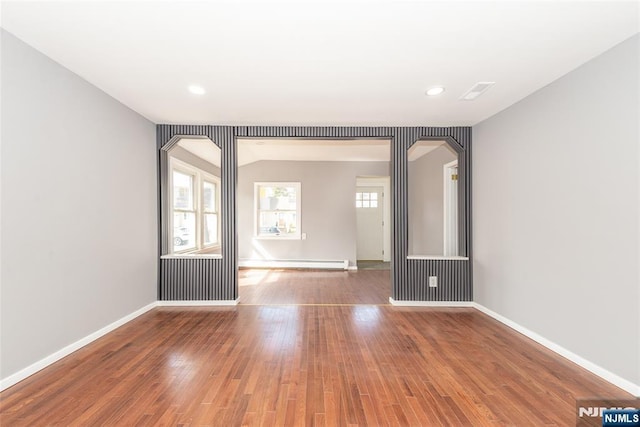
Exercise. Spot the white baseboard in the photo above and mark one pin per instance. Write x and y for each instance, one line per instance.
(588, 365)
(198, 303)
(352, 268)
(406, 303)
(52, 358)
(293, 263)
(567, 354)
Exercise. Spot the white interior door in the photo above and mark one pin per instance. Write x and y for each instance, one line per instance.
(369, 217)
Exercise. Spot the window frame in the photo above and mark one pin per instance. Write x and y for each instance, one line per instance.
(199, 177)
(256, 210)
(211, 179)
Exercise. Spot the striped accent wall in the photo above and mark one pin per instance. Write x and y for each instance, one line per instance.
(216, 279)
(197, 278)
(453, 280)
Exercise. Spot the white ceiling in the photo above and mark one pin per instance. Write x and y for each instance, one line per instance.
(251, 150)
(203, 148)
(314, 63)
(315, 150)
(420, 148)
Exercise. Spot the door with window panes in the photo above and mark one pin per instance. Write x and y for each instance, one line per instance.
(369, 217)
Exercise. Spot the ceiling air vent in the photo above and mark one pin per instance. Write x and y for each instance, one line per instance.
(477, 90)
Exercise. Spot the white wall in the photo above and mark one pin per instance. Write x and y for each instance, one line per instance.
(328, 208)
(426, 201)
(79, 211)
(555, 212)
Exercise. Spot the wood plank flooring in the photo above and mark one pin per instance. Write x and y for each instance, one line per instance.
(289, 365)
(314, 287)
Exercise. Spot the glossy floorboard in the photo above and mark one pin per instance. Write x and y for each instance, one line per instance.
(306, 365)
(314, 287)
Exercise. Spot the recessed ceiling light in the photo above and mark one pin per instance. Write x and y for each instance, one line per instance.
(437, 90)
(197, 90)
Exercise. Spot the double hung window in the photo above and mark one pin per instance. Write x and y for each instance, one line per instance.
(195, 201)
(277, 210)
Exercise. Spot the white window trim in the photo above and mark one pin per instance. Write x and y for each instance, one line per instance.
(176, 165)
(216, 181)
(198, 186)
(256, 206)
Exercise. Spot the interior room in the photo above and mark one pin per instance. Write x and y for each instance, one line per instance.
(299, 213)
(390, 213)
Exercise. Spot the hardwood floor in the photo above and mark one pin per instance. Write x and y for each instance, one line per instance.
(314, 287)
(286, 365)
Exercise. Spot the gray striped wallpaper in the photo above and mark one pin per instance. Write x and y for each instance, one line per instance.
(195, 279)
(200, 279)
(216, 279)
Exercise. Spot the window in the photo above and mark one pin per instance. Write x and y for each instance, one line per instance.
(277, 210)
(184, 212)
(366, 200)
(195, 196)
(210, 212)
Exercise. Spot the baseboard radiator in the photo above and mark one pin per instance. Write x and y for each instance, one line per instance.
(295, 263)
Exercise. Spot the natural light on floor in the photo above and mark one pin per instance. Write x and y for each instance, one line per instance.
(256, 277)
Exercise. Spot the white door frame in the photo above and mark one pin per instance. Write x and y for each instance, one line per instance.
(450, 204)
(385, 183)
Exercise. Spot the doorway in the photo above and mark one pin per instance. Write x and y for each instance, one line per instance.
(297, 228)
(372, 220)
